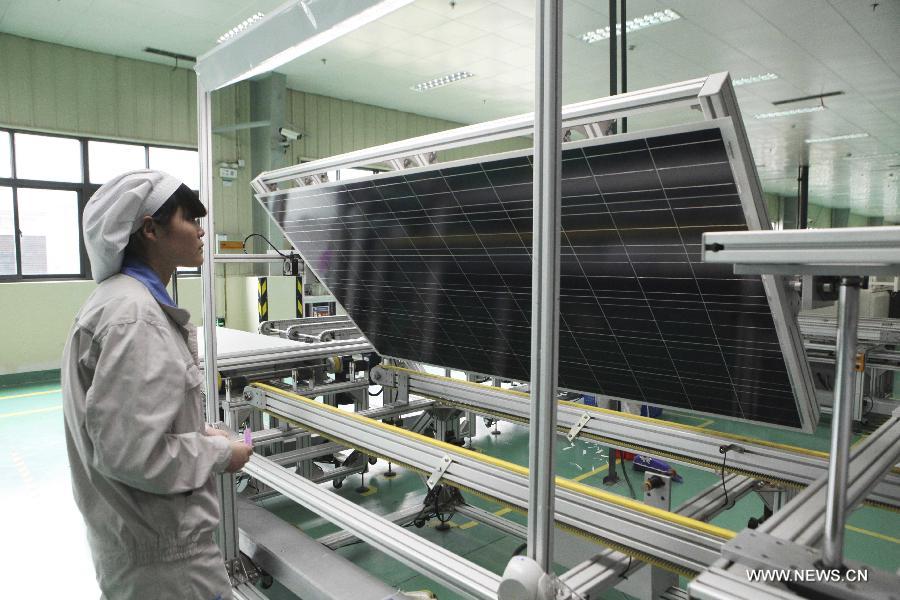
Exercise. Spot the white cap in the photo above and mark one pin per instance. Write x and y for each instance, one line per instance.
(116, 211)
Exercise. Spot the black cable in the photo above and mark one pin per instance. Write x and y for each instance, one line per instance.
(378, 393)
(628, 479)
(624, 574)
(724, 450)
(520, 548)
(266, 240)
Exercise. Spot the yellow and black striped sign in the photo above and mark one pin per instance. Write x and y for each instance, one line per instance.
(299, 296)
(262, 298)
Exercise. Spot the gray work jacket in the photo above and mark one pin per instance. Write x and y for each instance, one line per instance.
(141, 463)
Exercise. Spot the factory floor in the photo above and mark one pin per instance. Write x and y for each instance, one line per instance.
(46, 554)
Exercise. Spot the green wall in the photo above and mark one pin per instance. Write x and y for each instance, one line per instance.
(56, 89)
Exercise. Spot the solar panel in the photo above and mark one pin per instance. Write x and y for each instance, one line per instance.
(433, 265)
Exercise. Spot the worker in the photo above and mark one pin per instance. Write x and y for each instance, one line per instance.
(141, 454)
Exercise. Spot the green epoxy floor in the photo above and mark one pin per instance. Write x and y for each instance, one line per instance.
(44, 532)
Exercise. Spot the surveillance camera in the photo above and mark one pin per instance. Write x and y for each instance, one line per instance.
(290, 133)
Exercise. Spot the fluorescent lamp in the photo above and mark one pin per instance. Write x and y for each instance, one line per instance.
(657, 18)
(835, 138)
(240, 27)
(872, 156)
(441, 81)
(788, 113)
(754, 79)
(288, 32)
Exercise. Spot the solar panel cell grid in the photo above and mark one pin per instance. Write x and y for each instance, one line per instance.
(435, 266)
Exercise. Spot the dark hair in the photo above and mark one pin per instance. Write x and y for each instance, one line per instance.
(184, 198)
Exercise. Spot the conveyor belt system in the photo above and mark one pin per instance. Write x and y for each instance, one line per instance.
(778, 463)
(668, 540)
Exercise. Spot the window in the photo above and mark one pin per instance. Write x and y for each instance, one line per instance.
(7, 231)
(47, 158)
(108, 159)
(183, 164)
(45, 182)
(5, 154)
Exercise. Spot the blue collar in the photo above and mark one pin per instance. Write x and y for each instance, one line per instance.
(135, 268)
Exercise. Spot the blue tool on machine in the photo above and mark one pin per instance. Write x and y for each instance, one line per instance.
(648, 463)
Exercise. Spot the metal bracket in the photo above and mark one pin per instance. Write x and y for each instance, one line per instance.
(439, 471)
(242, 570)
(402, 388)
(416, 160)
(255, 397)
(759, 550)
(380, 376)
(577, 427)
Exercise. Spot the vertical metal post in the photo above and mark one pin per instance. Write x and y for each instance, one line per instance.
(545, 281)
(623, 50)
(227, 532)
(841, 422)
(803, 197)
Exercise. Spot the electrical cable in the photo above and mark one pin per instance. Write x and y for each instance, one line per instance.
(378, 393)
(267, 241)
(628, 480)
(724, 451)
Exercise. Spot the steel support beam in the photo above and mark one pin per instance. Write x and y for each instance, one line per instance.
(428, 558)
(546, 232)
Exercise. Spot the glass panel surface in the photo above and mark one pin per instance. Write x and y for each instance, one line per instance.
(47, 158)
(7, 233)
(107, 160)
(434, 265)
(49, 223)
(5, 154)
(183, 164)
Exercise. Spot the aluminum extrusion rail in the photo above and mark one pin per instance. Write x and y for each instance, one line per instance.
(683, 93)
(788, 465)
(676, 543)
(426, 557)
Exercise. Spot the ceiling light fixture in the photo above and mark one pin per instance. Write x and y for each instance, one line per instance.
(240, 27)
(441, 81)
(754, 79)
(836, 138)
(287, 32)
(657, 18)
(872, 156)
(788, 113)
(819, 97)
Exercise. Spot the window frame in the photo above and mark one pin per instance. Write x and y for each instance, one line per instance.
(84, 189)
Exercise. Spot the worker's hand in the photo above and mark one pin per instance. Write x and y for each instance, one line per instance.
(210, 430)
(240, 454)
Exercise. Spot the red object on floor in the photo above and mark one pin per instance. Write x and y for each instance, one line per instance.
(624, 455)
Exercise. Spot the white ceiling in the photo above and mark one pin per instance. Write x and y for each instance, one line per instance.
(814, 46)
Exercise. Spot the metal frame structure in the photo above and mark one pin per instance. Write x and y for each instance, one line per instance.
(786, 465)
(675, 542)
(685, 544)
(820, 511)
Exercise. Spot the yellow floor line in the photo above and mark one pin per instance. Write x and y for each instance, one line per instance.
(33, 411)
(471, 524)
(30, 394)
(599, 469)
(370, 491)
(706, 422)
(874, 534)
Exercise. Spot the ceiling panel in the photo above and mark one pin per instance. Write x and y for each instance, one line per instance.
(812, 46)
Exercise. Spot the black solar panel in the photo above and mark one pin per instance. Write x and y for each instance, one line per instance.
(434, 266)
